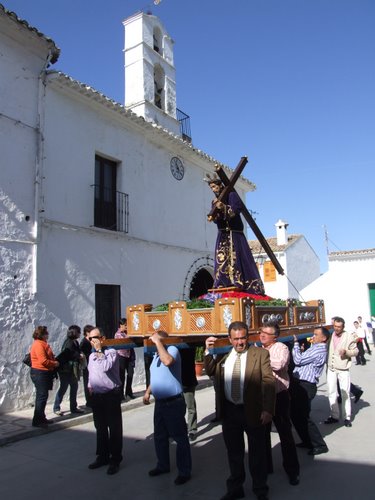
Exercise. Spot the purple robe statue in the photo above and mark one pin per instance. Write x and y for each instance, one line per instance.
(234, 262)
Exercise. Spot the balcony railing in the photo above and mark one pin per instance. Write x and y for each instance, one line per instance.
(111, 209)
(184, 120)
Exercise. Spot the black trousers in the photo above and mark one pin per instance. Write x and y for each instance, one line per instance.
(126, 370)
(367, 345)
(147, 361)
(354, 389)
(85, 375)
(108, 423)
(234, 428)
(283, 426)
(361, 354)
(302, 393)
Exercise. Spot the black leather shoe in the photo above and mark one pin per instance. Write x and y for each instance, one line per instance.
(131, 396)
(303, 445)
(77, 411)
(182, 479)
(358, 395)
(215, 420)
(331, 420)
(98, 463)
(42, 425)
(347, 423)
(233, 495)
(318, 450)
(157, 472)
(113, 469)
(294, 480)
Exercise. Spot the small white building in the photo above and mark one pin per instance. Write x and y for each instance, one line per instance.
(102, 205)
(300, 263)
(348, 287)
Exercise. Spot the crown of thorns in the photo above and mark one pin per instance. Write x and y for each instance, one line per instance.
(212, 179)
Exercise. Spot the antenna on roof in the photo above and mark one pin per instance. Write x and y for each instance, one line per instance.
(326, 238)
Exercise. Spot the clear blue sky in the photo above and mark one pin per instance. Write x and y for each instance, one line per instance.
(289, 83)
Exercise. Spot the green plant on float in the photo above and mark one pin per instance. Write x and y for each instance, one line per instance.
(206, 304)
(191, 304)
(199, 354)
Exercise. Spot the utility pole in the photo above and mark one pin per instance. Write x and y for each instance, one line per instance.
(326, 239)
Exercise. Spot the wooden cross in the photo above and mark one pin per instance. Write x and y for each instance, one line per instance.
(229, 187)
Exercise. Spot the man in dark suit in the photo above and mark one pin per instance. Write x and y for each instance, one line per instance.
(246, 393)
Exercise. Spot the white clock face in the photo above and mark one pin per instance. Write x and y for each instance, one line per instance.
(177, 168)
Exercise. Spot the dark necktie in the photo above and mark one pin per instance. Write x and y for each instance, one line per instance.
(236, 380)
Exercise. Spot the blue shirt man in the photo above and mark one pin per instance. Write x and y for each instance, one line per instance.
(308, 369)
(169, 413)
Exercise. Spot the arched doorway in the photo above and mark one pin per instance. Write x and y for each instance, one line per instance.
(199, 278)
(200, 283)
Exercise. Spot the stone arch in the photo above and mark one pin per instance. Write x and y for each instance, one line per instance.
(199, 277)
(159, 87)
(158, 40)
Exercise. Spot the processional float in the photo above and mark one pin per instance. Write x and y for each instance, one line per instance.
(189, 327)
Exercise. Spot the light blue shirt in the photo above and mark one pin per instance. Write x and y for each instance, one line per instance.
(166, 380)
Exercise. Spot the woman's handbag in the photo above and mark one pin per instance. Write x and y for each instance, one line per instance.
(27, 359)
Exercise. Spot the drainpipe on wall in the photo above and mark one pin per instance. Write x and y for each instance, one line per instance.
(39, 160)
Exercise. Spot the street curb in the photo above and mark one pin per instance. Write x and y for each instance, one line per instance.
(68, 421)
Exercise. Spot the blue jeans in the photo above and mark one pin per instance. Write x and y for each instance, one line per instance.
(42, 379)
(66, 380)
(169, 421)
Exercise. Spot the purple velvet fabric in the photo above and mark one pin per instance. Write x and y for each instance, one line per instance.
(234, 262)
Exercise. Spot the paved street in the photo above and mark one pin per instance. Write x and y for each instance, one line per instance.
(54, 464)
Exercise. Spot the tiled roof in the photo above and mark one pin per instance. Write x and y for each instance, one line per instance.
(256, 247)
(91, 93)
(13, 16)
(367, 251)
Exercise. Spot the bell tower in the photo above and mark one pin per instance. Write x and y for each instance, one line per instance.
(150, 75)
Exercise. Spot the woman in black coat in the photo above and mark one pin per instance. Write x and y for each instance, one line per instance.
(69, 370)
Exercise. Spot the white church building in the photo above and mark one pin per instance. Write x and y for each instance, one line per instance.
(102, 205)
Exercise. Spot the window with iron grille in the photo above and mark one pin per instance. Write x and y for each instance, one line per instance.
(111, 207)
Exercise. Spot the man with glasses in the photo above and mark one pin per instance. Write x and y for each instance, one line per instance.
(279, 358)
(246, 393)
(105, 388)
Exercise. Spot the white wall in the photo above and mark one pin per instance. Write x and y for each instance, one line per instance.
(50, 264)
(344, 288)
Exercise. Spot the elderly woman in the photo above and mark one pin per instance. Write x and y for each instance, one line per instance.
(43, 366)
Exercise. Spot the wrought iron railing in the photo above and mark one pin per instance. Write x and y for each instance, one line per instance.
(184, 120)
(111, 209)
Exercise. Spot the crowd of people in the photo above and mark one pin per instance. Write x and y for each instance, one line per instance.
(255, 386)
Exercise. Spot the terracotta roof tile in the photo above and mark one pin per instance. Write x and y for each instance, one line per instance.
(256, 247)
